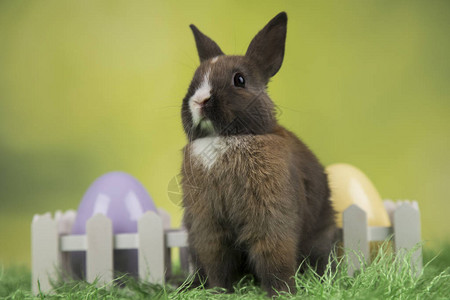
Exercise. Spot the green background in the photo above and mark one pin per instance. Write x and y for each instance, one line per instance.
(90, 87)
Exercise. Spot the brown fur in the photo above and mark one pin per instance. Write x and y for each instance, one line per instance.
(263, 206)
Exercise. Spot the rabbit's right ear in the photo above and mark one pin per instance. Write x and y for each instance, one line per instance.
(267, 47)
(206, 47)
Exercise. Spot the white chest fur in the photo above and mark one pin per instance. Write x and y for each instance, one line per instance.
(208, 150)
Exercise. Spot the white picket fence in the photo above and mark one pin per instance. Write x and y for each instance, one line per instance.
(405, 231)
(52, 242)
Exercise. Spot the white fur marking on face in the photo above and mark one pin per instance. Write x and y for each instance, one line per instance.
(214, 60)
(203, 92)
(208, 150)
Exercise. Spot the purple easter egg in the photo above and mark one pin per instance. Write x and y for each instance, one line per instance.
(120, 197)
(123, 199)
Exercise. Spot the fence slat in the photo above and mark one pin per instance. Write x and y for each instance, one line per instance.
(355, 236)
(64, 221)
(151, 248)
(99, 254)
(407, 233)
(184, 260)
(165, 217)
(45, 252)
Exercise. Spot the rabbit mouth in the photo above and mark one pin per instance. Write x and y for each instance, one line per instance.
(206, 126)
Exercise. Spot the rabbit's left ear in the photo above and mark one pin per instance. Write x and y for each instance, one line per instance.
(267, 47)
(206, 47)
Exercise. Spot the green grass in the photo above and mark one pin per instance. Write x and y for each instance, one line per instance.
(385, 278)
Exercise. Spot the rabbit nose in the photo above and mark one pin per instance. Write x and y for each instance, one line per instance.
(202, 102)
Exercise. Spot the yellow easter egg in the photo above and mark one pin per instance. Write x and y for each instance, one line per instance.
(349, 186)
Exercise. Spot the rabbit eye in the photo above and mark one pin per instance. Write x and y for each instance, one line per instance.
(239, 80)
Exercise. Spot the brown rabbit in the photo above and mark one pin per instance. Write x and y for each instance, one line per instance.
(256, 199)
